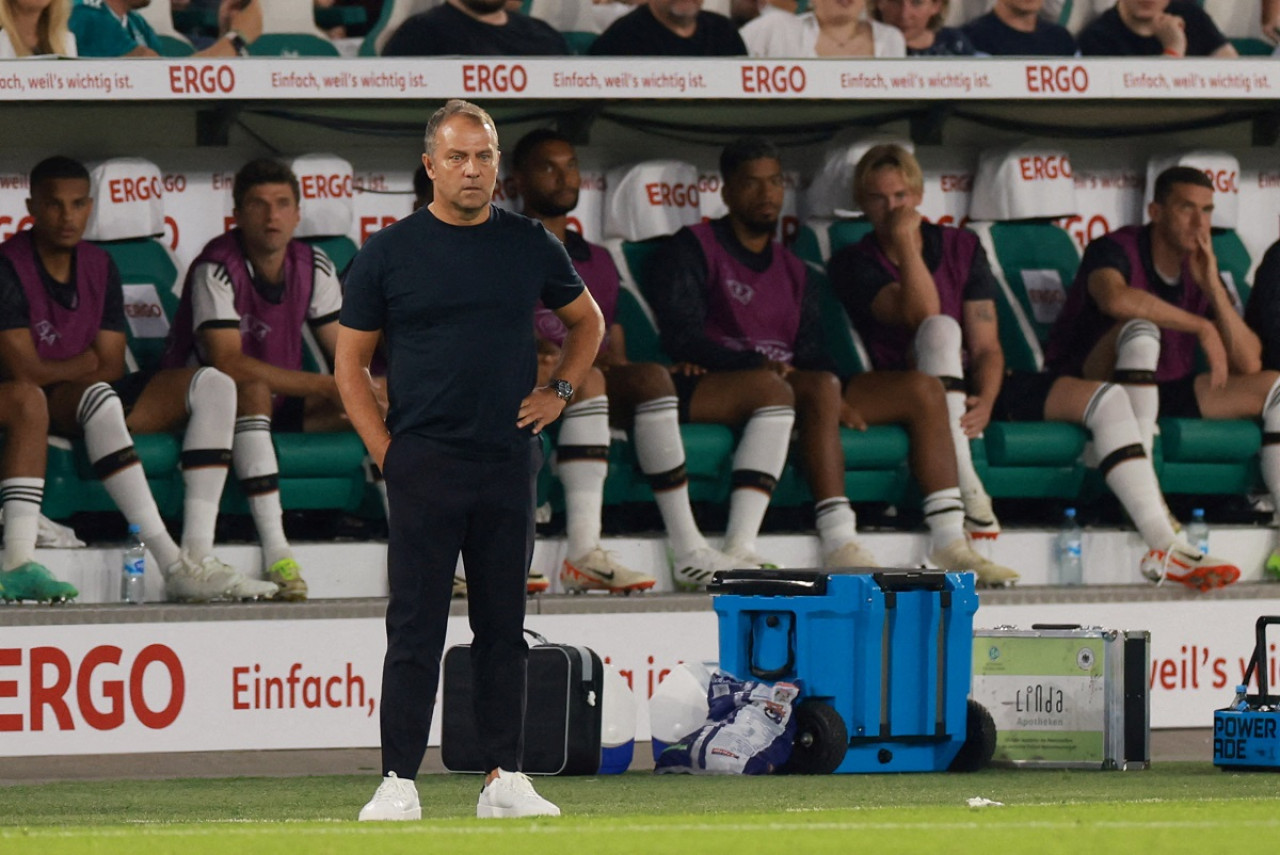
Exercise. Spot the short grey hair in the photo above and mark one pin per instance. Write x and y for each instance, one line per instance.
(456, 107)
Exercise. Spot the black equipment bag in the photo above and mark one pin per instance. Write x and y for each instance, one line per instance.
(562, 711)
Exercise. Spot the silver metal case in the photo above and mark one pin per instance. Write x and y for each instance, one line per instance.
(1066, 696)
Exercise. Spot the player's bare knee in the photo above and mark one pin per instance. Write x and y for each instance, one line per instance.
(650, 380)
(253, 398)
(925, 392)
(592, 386)
(25, 404)
(767, 389)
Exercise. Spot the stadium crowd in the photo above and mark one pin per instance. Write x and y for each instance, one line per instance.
(764, 28)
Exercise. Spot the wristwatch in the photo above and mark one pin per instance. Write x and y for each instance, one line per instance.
(237, 42)
(562, 388)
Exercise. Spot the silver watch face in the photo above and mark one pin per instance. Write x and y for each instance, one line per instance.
(563, 389)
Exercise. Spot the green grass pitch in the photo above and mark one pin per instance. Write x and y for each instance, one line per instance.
(1173, 808)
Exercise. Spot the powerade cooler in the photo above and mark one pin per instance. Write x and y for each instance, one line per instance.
(1246, 735)
(883, 660)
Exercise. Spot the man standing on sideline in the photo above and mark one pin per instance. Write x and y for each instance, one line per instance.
(454, 287)
(637, 395)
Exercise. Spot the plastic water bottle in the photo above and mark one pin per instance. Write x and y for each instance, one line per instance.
(1070, 551)
(1241, 702)
(1198, 531)
(132, 580)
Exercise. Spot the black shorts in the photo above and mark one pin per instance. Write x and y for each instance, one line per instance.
(1178, 399)
(685, 385)
(289, 414)
(1022, 397)
(130, 387)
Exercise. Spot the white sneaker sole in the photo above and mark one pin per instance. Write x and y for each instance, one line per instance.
(398, 816)
(494, 812)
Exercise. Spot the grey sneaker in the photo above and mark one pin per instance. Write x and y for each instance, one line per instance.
(511, 794)
(185, 581)
(851, 554)
(396, 799)
(958, 556)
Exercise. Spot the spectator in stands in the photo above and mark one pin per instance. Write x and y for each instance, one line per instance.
(475, 28)
(1144, 300)
(1154, 27)
(24, 416)
(36, 28)
(636, 395)
(918, 293)
(62, 327)
(1016, 28)
(833, 28)
(732, 300)
(244, 303)
(742, 12)
(670, 28)
(109, 28)
(921, 24)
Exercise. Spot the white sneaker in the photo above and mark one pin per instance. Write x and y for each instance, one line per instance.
(958, 556)
(395, 799)
(185, 581)
(746, 556)
(242, 587)
(511, 794)
(1184, 564)
(599, 571)
(851, 554)
(696, 568)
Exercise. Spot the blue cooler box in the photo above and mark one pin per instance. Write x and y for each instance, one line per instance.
(883, 659)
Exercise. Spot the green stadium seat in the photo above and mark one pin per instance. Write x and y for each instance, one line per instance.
(292, 44)
(1034, 262)
(289, 29)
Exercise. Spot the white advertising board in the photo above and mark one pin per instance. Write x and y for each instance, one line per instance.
(272, 684)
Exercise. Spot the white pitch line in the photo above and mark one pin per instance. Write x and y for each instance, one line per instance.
(244, 828)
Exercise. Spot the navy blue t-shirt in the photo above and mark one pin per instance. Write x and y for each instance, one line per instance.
(991, 35)
(456, 304)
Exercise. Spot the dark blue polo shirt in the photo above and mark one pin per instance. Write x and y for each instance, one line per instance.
(456, 304)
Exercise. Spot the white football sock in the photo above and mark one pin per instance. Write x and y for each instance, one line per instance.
(660, 453)
(206, 454)
(258, 472)
(944, 515)
(1117, 444)
(1269, 456)
(757, 463)
(110, 448)
(836, 523)
(582, 463)
(1137, 356)
(21, 499)
(938, 344)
